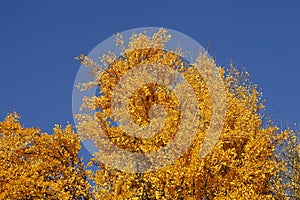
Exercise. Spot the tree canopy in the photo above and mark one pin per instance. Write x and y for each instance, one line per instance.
(35, 165)
(252, 158)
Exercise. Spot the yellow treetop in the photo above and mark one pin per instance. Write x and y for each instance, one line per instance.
(238, 167)
(34, 165)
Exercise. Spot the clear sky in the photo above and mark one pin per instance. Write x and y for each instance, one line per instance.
(38, 40)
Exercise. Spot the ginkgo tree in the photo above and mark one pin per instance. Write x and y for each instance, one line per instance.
(35, 165)
(286, 183)
(239, 166)
(250, 160)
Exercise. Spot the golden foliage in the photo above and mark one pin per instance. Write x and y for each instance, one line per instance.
(286, 183)
(239, 167)
(249, 161)
(40, 166)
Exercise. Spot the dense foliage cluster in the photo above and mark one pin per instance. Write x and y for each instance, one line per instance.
(251, 160)
(34, 165)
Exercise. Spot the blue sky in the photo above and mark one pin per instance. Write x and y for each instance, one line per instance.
(38, 40)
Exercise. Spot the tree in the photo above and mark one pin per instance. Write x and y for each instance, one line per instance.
(250, 160)
(240, 165)
(286, 182)
(34, 165)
